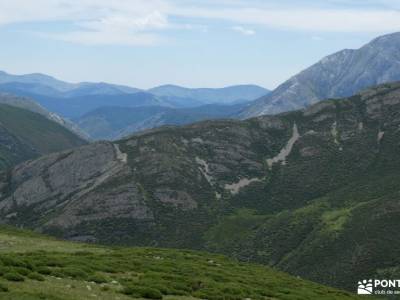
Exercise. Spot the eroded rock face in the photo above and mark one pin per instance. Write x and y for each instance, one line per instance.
(69, 183)
(77, 171)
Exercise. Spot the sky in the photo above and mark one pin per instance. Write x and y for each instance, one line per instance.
(202, 43)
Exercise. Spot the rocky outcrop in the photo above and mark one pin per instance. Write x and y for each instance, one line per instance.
(69, 183)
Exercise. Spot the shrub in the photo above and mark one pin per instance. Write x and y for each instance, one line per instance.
(22, 271)
(57, 273)
(36, 276)
(12, 261)
(53, 262)
(110, 269)
(44, 270)
(4, 270)
(75, 272)
(142, 292)
(14, 277)
(83, 253)
(105, 288)
(3, 288)
(98, 278)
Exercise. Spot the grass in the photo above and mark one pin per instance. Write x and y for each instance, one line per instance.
(37, 267)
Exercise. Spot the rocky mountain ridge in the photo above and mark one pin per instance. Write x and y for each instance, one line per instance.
(338, 75)
(313, 192)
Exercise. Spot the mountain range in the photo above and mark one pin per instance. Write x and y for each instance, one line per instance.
(74, 100)
(95, 106)
(311, 192)
(227, 95)
(110, 123)
(339, 75)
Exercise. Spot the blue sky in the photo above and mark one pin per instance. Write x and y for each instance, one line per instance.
(203, 43)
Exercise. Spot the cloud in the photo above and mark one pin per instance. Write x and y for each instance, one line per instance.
(96, 22)
(243, 30)
(313, 20)
(118, 30)
(145, 22)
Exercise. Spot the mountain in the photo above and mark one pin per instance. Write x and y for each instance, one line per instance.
(79, 101)
(339, 75)
(73, 100)
(110, 123)
(37, 267)
(49, 86)
(90, 89)
(28, 104)
(37, 79)
(228, 95)
(76, 107)
(312, 192)
(26, 135)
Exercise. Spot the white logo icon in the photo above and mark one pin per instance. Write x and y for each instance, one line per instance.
(365, 287)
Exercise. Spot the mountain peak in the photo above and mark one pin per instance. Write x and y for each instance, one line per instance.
(338, 75)
(386, 38)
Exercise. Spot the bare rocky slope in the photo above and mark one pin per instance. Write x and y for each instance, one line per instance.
(313, 192)
(339, 75)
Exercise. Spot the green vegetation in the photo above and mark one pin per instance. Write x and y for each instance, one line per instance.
(84, 272)
(25, 135)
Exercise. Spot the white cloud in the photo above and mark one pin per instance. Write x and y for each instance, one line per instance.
(243, 30)
(314, 20)
(118, 30)
(121, 22)
(143, 22)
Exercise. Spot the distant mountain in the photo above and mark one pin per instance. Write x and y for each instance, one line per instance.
(49, 86)
(74, 100)
(28, 104)
(313, 192)
(232, 94)
(81, 100)
(37, 79)
(91, 89)
(109, 123)
(75, 107)
(25, 135)
(339, 75)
